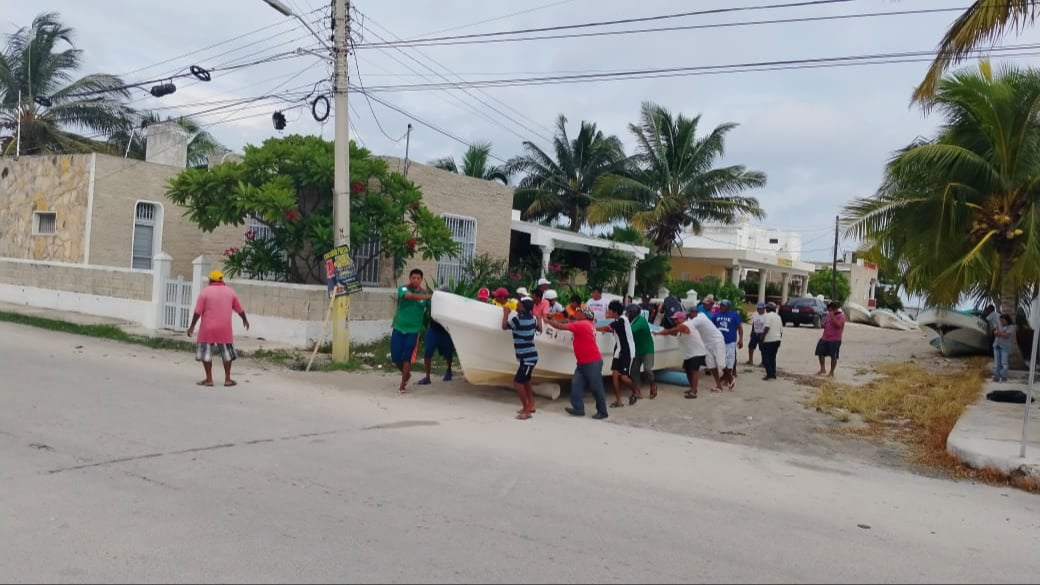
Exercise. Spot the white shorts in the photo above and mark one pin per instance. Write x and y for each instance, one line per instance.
(716, 355)
(731, 355)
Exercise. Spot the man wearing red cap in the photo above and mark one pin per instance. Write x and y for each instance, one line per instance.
(501, 299)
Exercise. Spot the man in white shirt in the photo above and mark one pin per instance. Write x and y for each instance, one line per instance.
(714, 343)
(598, 304)
(772, 330)
(757, 325)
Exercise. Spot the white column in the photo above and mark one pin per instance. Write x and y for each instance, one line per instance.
(805, 285)
(785, 292)
(199, 277)
(734, 275)
(632, 278)
(763, 275)
(160, 274)
(547, 250)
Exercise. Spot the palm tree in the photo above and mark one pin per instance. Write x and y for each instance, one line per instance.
(475, 163)
(563, 186)
(200, 146)
(672, 184)
(984, 20)
(52, 107)
(960, 213)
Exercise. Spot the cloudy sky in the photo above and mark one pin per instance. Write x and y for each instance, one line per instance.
(821, 134)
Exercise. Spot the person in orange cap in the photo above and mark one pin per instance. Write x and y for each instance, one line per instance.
(217, 302)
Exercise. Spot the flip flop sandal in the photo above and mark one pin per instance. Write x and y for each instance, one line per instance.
(616, 405)
(632, 399)
(231, 383)
(203, 383)
(424, 382)
(689, 395)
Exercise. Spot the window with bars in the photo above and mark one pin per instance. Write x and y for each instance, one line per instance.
(45, 223)
(260, 231)
(464, 231)
(366, 258)
(146, 216)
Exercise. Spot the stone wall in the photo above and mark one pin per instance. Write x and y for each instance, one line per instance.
(118, 185)
(308, 302)
(489, 202)
(78, 278)
(44, 183)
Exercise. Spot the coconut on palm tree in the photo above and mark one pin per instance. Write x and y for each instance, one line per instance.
(476, 162)
(983, 21)
(38, 90)
(560, 184)
(132, 143)
(672, 184)
(960, 213)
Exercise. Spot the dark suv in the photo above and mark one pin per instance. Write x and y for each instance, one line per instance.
(803, 310)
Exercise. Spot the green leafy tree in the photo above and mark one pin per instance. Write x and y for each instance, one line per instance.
(201, 144)
(958, 214)
(560, 184)
(286, 183)
(476, 162)
(672, 184)
(37, 64)
(820, 284)
(983, 22)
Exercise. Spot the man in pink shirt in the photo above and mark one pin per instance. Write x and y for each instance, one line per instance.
(215, 306)
(830, 343)
(589, 370)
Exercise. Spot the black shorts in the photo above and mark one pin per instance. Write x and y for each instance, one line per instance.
(621, 365)
(754, 341)
(695, 363)
(524, 373)
(828, 348)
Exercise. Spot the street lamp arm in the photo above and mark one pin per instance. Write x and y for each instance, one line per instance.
(286, 11)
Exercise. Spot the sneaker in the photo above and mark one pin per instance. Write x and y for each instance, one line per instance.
(996, 378)
(1004, 380)
(573, 412)
(447, 377)
(599, 416)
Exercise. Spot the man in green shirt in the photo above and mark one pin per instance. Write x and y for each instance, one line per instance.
(412, 301)
(644, 341)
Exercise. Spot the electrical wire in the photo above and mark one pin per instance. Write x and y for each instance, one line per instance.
(718, 25)
(497, 18)
(746, 67)
(357, 68)
(804, 3)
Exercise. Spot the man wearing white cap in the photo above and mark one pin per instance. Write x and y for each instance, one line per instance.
(714, 342)
(555, 308)
(543, 283)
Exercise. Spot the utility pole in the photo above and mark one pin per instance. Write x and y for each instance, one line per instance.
(341, 181)
(834, 263)
(407, 144)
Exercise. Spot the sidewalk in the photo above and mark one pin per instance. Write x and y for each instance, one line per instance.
(242, 343)
(989, 434)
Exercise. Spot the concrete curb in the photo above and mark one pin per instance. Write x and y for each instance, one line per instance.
(988, 434)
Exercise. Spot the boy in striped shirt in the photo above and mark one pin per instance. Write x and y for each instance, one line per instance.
(523, 325)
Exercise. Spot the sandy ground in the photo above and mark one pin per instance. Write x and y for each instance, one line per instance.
(766, 414)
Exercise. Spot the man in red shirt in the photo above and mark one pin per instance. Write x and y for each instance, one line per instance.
(589, 371)
(217, 302)
(830, 343)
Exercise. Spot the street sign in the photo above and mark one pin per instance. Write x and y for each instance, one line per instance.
(340, 272)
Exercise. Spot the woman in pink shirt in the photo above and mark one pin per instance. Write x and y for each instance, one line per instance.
(830, 343)
(589, 370)
(217, 302)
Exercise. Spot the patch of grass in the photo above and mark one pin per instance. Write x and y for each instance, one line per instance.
(374, 356)
(917, 407)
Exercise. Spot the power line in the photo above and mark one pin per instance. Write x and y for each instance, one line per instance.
(747, 67)
(802, 19)
(357, 68)
(524, 126)
(497, 18)
(630, 20)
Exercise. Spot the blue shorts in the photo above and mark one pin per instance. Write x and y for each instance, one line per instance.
(402, 346)
(438, 342)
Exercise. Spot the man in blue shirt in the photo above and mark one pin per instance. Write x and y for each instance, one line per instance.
(732, 328)
(524, 325)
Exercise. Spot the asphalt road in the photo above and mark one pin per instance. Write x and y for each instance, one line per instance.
(115, 467)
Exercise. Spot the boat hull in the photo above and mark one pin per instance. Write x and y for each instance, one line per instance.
(954, 333)
(888, 320)
(857, 313)
(486, 354)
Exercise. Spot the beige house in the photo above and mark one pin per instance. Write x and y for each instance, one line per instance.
(102, 210)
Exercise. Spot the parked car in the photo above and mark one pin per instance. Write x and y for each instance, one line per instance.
(803, 310)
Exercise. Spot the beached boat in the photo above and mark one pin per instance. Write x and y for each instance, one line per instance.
(486, 354)
(954, 333)
(857, 313)
(888, 320)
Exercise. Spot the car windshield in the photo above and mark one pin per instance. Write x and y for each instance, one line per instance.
(801, 302)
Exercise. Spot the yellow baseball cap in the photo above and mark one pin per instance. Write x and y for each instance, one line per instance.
(216, 276)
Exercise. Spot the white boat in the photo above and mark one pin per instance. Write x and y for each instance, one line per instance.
(954, 333)
(888, 320)
(486, 354)
(907, 319)
(857, 313)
